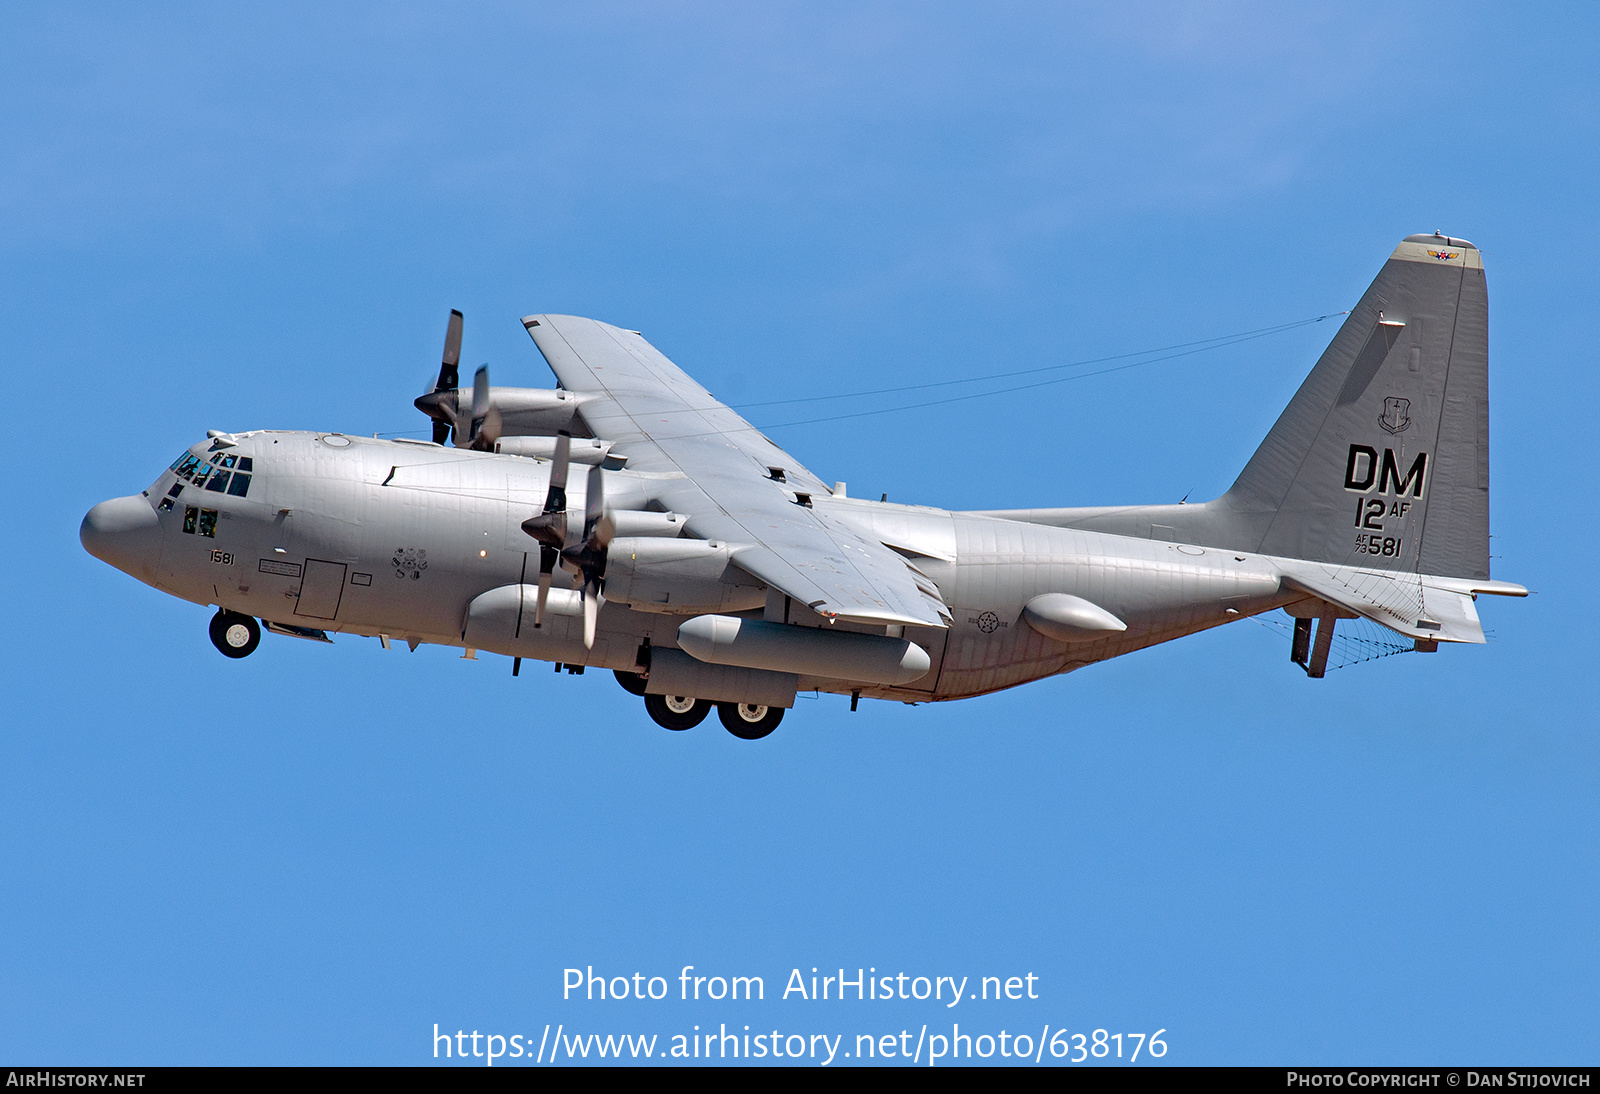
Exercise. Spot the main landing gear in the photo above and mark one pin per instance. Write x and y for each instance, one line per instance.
(747, 721)
(234, 634)
(676, 711)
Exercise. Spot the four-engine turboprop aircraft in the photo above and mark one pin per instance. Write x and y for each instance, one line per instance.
(629, 521)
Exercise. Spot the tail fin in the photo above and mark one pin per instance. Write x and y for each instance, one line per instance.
(1381, 459)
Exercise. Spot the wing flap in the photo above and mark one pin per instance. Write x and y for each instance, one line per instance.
(831, 585)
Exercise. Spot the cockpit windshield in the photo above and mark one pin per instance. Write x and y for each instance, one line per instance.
(225, 472)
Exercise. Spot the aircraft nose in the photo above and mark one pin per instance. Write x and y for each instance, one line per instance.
(124, 532)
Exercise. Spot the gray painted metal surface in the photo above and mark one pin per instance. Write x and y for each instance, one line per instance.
(718, 565)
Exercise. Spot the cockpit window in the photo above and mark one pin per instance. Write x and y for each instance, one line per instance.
(198, 521)
(218, 475)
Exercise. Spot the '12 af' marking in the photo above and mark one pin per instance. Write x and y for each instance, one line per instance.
(1371, 511)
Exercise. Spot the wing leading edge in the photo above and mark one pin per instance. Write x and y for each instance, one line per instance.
(734, 484)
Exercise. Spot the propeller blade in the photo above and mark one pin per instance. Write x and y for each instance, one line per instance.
(485, 415)
(592, 599)
(550, 527)
(480, 392)
(598, 524)
(547, 564)
(449, 369)
(441, 404)
(589, 556)
(489, 431)
(558, 470)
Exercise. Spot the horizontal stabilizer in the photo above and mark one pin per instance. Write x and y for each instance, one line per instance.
(1435, 609)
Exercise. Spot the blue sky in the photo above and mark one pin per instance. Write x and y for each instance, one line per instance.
(246, 218)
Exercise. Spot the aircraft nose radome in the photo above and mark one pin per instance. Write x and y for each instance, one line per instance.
(122, 532)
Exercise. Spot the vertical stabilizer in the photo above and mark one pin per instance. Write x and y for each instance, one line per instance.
(1381, 459)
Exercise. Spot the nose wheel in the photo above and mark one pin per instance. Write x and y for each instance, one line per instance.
(234, 634)
(749, 721)
(676, 711)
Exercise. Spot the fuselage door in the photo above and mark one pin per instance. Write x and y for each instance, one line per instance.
(320, 589)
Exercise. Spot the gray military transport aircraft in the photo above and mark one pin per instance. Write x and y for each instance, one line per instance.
(705, 566)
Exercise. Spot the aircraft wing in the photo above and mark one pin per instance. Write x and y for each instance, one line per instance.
(732, 483)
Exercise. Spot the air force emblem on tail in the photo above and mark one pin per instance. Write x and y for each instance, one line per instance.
(1396, 417)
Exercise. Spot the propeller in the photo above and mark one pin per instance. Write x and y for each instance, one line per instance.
(441, 403)
(586, 557)
(550, 526)
(485, 427)
(589, 556)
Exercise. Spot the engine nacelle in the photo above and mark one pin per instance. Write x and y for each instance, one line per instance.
(587, 451)
(531, 411)
(678, 576)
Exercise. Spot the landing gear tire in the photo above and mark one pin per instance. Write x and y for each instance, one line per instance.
(747, 721)
(631, 682)
(676, 711)
(235, 635)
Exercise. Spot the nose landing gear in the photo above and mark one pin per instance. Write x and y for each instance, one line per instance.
(234, 634)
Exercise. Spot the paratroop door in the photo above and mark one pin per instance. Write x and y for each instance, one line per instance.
(320, 589)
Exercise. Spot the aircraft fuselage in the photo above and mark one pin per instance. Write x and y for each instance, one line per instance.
(399, 539)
